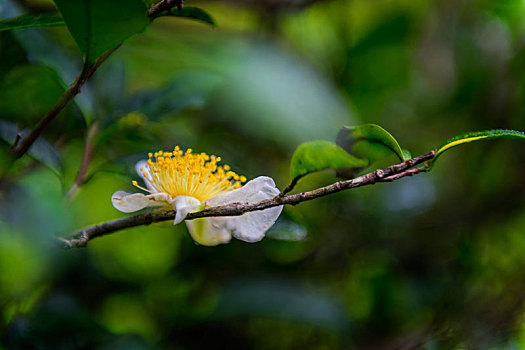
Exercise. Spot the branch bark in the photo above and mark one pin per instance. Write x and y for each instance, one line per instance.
(22, 146)
(164, 5)
(389, 174)
(89, 149)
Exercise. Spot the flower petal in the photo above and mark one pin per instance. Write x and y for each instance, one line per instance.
(252, 226)
(184, 205)
(130, 202)
(209, 231)
(256, 190)
(142, 169)
(249, 227)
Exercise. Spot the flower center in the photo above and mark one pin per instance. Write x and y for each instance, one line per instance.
(181, 173)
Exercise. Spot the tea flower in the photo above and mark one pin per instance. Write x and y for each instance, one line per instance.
(189, 182)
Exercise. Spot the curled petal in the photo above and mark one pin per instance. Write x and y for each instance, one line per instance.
(184, 205)
(252, 226)
(143, 171)
(256, 190)
(130, 202)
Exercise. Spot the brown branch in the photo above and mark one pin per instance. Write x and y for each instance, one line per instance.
(392, 173)
(17, 138)
(89, 149)
(22, 146)
(164, 5)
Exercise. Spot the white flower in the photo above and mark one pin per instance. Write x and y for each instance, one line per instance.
(189, 182)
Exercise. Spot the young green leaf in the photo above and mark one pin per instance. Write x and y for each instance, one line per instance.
(195, 13)
(369, 141)
(476, 136)
(406, 154)
(99, 25)
(319, 155)
(31, 20)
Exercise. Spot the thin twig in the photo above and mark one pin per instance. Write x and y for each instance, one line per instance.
(164, 5)
(290, 186)
(20, 148)
(392, 173)
(89, 149)
(18, 137)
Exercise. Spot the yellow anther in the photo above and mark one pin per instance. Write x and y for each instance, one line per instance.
(135, 183)
(180, 173)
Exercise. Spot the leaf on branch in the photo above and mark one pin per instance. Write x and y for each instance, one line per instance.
(31, 20)
(190, 12)
(99, 25)
(476, 136)
(41, 150)
(406, 154)
(319, 155)
(369, 141)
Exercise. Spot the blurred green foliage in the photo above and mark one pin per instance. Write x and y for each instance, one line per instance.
(432, 262)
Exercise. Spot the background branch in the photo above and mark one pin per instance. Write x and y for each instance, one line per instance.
(391, 173)
(89, 149)
(22, 146)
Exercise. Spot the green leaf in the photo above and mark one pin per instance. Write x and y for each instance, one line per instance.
(41, 50)
(476, 136)
(195, 13)
(31, 20)
(319, 155)
(406, 154)
(41, 150)
(99, 25)
(369, 141)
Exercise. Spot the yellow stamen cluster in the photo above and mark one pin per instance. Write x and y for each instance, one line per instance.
(181, 173)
